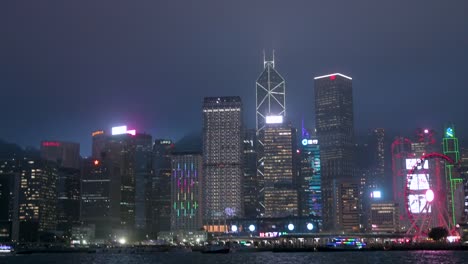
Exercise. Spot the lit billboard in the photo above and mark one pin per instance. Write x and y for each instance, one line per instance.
(417, 202)
(410, 163)
(418, 181)
(274, 119)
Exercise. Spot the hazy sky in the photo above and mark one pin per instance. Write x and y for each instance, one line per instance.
(70, 67)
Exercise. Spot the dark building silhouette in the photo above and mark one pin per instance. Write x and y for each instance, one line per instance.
(161, 186)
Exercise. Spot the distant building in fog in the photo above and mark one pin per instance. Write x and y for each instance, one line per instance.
(65, 154)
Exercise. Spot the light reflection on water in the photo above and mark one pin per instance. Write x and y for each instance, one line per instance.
(393, 257)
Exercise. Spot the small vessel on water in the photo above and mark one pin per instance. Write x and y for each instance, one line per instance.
(6, 250)
(345, 244)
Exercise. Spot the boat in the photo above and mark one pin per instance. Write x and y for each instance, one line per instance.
(6, 250)
(345, 244)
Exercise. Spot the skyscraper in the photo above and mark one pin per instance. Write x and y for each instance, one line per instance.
(100, 196)
(310, 191)
(99, 143)
(186, 192)
(281, 196)
(161, 185)
(335, 132)
(270, 101)
(250, 188)
(222, 157)
(37, 200)
(67, 157)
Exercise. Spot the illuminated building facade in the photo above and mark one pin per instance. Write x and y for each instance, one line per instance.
(280, 194)
(222, 157)
(250, 187)
(310, 182)
(186, 192)
(454, 181)
(270, 101)
(9, 191)
(37, 199)
(335, 132)
(384, 218)
(161, 186)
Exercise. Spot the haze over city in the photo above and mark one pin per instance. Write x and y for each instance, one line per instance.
(69, 68)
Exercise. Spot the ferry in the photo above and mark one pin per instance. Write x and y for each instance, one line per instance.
(6, 250)
(345, 244)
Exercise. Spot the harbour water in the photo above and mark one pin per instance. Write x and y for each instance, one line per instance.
(394, 257)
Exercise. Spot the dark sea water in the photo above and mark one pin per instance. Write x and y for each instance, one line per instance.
(394, 257)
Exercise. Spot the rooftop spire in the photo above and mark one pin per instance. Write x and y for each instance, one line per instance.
(270, 63)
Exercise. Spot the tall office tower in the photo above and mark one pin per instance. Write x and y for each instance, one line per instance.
(270, 101)
(281, 197)
(310, 191)
(335, 132)
(384, 217)
(378, 137)
(100, 196)
(131, 152)
(251, 195)
(65, 154)
(37, 200)
(99, 143)
(68, 199)
(143, 184)
(9, 191)
(453, 179)
(67, 157)
(222, 157)
(161, 186)
(186, 192)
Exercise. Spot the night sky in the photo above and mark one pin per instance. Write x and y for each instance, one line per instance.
(68, 68)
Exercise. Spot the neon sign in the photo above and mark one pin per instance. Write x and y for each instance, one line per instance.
(274, 119)
(50, 144)
(306, 142)
(99, 132)
(123, 130)
(449, 132)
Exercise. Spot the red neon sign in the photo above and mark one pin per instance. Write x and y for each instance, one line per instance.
(333, 77)
(51, 144)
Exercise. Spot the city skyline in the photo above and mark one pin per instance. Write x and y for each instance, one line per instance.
(68, 86)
